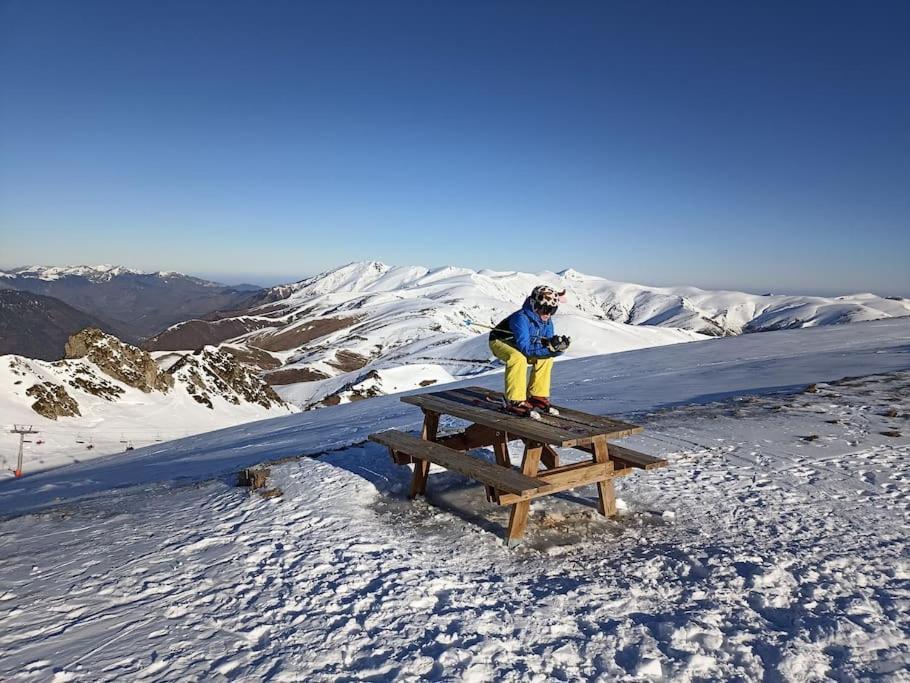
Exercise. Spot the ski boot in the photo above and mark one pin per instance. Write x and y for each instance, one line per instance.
(521, 409)
(542, 405)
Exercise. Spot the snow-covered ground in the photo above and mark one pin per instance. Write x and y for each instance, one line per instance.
(113, 415)
(772, 547)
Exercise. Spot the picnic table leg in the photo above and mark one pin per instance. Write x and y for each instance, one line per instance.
(518, 517)
(422, 467)
(549, 457)
(606, 494)
(501, 449)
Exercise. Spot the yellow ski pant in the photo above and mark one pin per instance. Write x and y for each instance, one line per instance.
(517, 363)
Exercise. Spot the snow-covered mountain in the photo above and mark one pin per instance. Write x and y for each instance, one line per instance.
(369, 328)
(722, 313)
(133, 303)
(107, 394)
(99, 273)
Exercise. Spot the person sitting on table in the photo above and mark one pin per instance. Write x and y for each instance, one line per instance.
(527, 338)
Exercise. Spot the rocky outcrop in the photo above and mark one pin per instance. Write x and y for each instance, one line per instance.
(90, 382)
(52, 401)
(124, 362)
(210, 373)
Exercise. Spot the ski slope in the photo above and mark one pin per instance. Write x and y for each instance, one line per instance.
(743, 559)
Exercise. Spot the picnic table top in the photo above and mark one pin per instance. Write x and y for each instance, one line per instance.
(569, 428)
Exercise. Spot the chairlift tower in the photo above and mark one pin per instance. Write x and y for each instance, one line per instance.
(21, 430)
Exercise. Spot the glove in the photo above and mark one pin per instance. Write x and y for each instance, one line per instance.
(558, 344)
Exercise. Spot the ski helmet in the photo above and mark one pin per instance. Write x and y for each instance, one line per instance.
(545, 299)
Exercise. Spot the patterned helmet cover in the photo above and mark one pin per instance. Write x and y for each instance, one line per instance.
(545, 296)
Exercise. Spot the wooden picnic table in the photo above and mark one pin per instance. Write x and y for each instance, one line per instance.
(491, 427)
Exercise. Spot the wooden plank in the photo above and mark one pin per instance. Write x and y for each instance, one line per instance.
(606, 494)
(502, 478)
(626, 457)
(568, 477)
(501, 450)
(467, 408)
(518, 521)
(516, 426)
(612, 428)
(634, 458)
(478, 396)
(475, 436)
(422, 467)
(549, 457)
(518, 517)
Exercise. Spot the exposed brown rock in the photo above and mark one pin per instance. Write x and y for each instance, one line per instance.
(301, 334)
(194, 334)
(52, 401)
(250, 355)
(90, 383)
(294, 375)
(123, 362)
(348, 361)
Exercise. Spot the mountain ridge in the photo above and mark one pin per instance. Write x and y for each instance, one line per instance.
(135, 304)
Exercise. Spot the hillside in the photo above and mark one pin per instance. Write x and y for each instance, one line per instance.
(107, 396)
(38, 326)
(368, 328)
(742, 560)
(133, 303)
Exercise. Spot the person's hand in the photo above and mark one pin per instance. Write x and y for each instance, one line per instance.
(559, 344)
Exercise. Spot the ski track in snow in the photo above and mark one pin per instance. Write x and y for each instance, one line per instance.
(773, 547)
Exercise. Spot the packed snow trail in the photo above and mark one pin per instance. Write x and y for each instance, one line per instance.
(614, 384)
(772, 547)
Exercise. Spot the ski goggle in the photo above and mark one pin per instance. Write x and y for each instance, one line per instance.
(546, 309)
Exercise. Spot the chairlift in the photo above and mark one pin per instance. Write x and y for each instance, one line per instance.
(129, 445)
(79, 438)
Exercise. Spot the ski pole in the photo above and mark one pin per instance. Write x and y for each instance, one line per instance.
(505, 335)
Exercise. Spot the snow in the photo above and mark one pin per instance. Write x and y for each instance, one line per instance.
(409, 316)
(134, 418)
(772, 547)
(98, 273)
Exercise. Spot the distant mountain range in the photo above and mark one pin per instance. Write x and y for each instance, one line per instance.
(134, 304)
(369, 328)
(38, 326)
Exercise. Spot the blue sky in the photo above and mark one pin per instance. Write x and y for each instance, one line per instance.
(759, 146)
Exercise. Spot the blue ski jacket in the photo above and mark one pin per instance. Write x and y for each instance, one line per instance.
(527, 331)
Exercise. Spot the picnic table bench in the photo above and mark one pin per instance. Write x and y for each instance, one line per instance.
(491, 427)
